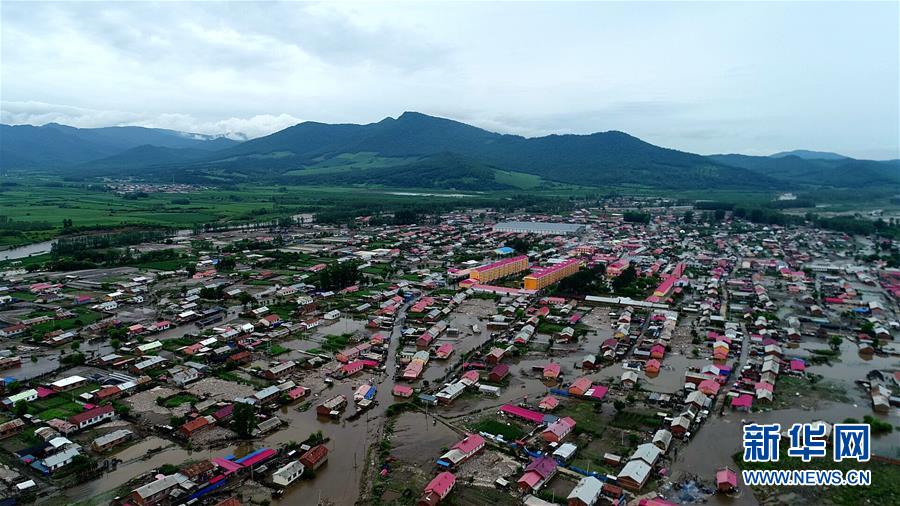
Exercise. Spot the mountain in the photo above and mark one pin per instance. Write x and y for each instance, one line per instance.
(838, 173)
(148, 156)
(810, 155)
(55, 145)
(607, 158)
(417, 150)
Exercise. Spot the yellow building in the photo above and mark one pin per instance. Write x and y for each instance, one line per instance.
(545, 277)
(500, 269)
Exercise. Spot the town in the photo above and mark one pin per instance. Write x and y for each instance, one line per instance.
(606, 354)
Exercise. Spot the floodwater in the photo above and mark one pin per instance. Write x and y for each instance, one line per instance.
(37, 248)
(720, 437)
(134, 464)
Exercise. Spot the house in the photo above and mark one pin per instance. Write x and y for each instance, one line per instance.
(726, 480)
(444, 351)
(634, 475)
(156, 491)
(92, 416)
(709, 387)
(450, 392)
(495, 355)
(437, 489)
(11, 428)
(629, 379)
(29, 395)
(680, 425)
(66, 384)
(586, 492)
(200, 471)
(114, 438)
(192, 427)
(498, 373)
(223, 413)
(151, 363)
(742, 402)
(662, 439)
(181, 376)
(402, 391)
(350, 369)
(108, 393)
(558, 430)
(548, 403)
(536, 474)
(314, 457)
(279, 371)
(551, 370)
(331, 406)
(580, 386)
(652, 366)
(462, 451)
(288, 473)
(565, 452)
(61, 459)
(648, 452)
(698, 399)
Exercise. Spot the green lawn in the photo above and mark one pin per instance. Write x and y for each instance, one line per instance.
(491, 425)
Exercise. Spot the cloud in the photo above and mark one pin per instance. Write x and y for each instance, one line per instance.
(40, 113)
(759, 77)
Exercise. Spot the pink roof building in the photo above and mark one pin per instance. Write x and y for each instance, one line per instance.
(402, 391)
(438, 489)
(558, 430)
(726, 480)
(742, 402)
(652, 366)
(444, 351)
(580, 386)
(548, 403)
(523, 413)
(597, 392)
(537, 473)
(551, 370)
(709, 387)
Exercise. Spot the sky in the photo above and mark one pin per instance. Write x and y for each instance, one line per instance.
(705, 77)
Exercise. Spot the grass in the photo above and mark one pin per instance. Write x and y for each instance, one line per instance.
(635, 421)
(518, 179)
(509, 432)
(57, 406)
(787, 388)
(179, 399)
(277, 349)
(336, 343)
(586, 419)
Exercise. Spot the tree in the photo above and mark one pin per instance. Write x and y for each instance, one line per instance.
(836, 342)
(625, 278)
(244, 419)
(21, 408)
(689, 217)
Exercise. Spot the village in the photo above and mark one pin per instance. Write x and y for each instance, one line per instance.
(607, 355)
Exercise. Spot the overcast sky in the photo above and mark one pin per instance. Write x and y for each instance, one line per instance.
(706, 77)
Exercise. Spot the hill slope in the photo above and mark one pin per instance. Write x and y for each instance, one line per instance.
(417, 150)
(597, 159)
(54, 145)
